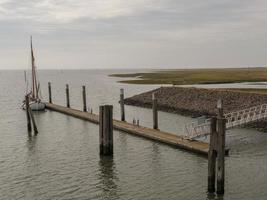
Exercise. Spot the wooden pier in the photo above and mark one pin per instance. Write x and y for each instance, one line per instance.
(149, 133)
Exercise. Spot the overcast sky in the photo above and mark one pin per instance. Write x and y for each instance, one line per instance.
(134, 33)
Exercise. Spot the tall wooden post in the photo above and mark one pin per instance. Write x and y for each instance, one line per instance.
(122, 105)
(84, 99)
(212, 155)
(49, 92)
(33, 122)
(67, 96)
(29, 126)
(221, 124)
(106, 129)
(155, 111)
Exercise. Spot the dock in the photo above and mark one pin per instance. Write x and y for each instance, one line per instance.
(149, 133)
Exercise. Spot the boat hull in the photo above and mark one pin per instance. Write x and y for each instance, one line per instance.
(37, 106)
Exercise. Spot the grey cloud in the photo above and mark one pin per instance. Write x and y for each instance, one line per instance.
(170, 33)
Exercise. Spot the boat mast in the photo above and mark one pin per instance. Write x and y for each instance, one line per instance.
(34, 84)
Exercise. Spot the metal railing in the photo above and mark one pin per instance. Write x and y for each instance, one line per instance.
(233, 119)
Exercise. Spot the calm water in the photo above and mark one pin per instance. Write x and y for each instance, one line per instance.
(63, 162)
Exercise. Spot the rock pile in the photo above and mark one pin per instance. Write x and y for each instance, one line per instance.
(195, 102)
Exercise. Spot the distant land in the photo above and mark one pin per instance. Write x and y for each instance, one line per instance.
(196, 76)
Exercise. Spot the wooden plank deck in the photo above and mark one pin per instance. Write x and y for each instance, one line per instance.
(149, 133)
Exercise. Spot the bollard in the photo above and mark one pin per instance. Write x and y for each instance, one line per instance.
(155, 111)
(49, 92)
(67, 96)
(122, 105)
(84, 99)
(212, 155)
(29, 126)
(106, 129)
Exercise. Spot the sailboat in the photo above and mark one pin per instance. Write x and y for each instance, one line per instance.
(35, 102)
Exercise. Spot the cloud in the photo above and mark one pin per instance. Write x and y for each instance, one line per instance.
(65, 11)
(153, 32)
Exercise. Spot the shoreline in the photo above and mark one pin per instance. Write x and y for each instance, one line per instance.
(195, 76)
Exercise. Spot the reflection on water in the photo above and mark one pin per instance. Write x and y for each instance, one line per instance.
(62, 161)
(212, 196)
(108, 178)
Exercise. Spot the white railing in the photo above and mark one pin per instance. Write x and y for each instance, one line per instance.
(233, 119)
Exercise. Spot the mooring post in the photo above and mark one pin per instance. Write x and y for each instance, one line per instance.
(29, 126)
(122, 104)
(49, 92)
(67, 96)
(155, 111)
(84, 99)
(106, 129)
(221, 124)
(212, 155)
(33, 122)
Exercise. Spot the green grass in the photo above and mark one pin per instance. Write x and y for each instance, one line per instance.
(196, 76)
(249, 90)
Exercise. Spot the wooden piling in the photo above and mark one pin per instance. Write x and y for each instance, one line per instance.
(29, 126)
(220, 160)
(67, 96)
(155, 111)
(122, 104)
(106, 129)
(84, 99)
(221, 128)
(212, 155)
(49, 92)
(219, 108)
(33, 122)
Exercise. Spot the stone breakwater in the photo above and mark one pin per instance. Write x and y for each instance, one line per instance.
(196, 102)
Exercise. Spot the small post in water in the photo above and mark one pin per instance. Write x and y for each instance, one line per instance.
(84, 99)
(212, 155)
(29, 126)
(106, 129)
(49, 92)
(33, 122)
(155, 111)
(67, 96)
(221, 124)
(122, 104)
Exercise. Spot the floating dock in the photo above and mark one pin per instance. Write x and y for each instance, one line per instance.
(149, 133)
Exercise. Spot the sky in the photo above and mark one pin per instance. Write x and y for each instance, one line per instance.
(75, 34)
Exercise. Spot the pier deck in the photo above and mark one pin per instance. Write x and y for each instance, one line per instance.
(149, 133)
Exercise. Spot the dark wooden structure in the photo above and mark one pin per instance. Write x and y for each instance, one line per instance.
(217, 152)
(67, 96)
(155, 111)
(106, 130)
(84, 99)
(49, 92)
(122, 104)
